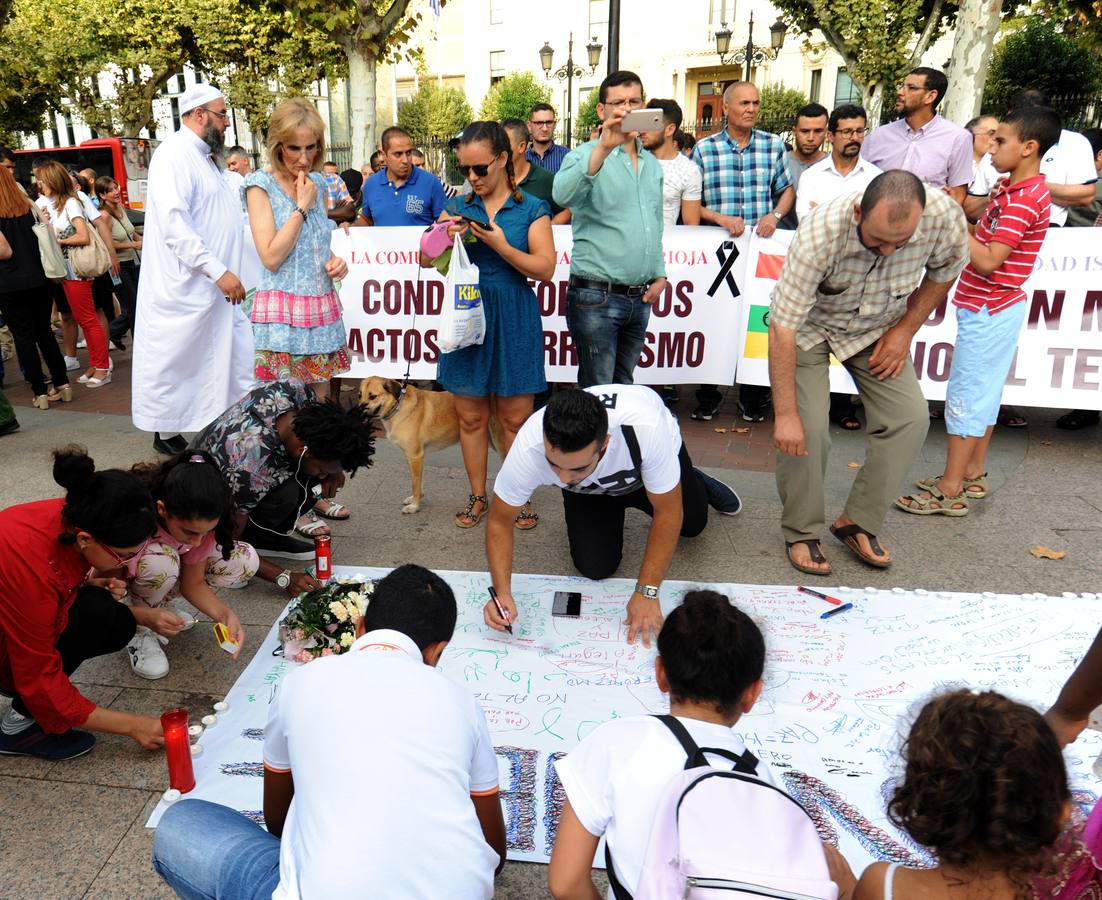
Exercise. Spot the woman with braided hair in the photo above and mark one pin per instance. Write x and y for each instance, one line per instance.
(508, 366)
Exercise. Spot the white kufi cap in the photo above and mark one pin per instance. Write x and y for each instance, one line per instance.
(198, 95)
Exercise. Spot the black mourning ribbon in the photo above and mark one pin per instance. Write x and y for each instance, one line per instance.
(726, 263)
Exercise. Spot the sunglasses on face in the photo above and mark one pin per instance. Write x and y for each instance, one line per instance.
(481, 171)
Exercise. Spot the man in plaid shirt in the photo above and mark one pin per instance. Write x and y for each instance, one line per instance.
(746, 182)
(848, 289)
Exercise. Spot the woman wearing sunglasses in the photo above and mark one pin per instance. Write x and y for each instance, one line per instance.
(513, 245)
(53, 616)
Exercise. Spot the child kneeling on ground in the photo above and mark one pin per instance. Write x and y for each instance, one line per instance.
(380, 779)
(192, 554)
(986, 792)
(711, 656)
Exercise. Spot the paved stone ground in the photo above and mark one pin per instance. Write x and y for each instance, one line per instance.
(76, 829)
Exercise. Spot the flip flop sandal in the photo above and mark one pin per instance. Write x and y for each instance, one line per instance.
(815, 553)
(924, 506)
(526, 519)
(847, 535)
(981, 483)
(312, 528)
(338, 512)
(472, 499)
(1012, 420)
(848, 423)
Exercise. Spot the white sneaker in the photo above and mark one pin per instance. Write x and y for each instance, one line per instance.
(184, 610)
(82, 344)
(71, 363)
(147, 659)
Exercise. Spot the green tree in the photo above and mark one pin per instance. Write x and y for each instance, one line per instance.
(435, 112)
(780, 103)
(251, 48)
(514, 96)
(879, 40)
(1039, 56)
(368, 31)
(586, 118)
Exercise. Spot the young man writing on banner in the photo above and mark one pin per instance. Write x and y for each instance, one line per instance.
(846, 289)
(609, 448)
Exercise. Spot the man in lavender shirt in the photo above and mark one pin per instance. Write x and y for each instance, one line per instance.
(922, 142)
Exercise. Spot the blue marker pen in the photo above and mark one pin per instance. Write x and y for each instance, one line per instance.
(834, 612)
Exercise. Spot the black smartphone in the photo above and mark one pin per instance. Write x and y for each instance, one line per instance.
(477, 222)
(567, 603)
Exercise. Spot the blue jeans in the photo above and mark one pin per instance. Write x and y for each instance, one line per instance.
(206, 851)
(608, 332)
(127, 294)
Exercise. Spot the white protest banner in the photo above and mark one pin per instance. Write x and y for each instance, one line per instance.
(392, 307)
(1059, 359)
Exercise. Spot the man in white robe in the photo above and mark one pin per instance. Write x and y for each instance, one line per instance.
(193, 345)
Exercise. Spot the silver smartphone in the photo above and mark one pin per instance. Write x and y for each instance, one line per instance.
(642, 120)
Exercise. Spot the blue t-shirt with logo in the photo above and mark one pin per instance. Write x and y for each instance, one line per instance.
(417, 202)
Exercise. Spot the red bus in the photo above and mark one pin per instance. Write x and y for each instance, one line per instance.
(124, 159)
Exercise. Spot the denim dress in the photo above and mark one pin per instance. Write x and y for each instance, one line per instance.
(509, 361)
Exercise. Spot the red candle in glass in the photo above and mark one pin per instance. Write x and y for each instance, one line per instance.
(178, 750)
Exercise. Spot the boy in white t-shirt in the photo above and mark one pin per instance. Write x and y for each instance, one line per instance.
(682, 180)
(608, 447)
(371, 759)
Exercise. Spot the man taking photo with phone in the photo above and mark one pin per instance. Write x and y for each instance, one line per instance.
(613, 187)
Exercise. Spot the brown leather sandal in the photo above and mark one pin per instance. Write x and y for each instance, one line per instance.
(814, 551)
(847, 534)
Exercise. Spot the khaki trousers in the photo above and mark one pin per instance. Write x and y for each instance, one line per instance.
(898, 417)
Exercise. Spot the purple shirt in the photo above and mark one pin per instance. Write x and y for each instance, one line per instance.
(940, 153)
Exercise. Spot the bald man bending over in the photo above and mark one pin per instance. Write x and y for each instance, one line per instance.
(848, 288)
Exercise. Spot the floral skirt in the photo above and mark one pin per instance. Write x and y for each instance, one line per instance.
(275, 365)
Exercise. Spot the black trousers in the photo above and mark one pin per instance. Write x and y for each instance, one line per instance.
(98, 624)
(595, 522)
(127, 294)
(278, 510)
(27, 314)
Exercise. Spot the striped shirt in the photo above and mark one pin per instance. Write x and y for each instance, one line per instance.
(832, 288)
(742, 181)
(1018, 217)
(551, 160)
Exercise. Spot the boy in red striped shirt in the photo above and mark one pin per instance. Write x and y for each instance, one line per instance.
(990, 306)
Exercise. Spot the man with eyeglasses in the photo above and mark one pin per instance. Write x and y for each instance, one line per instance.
(544, 151)
(613, 189)
(921, 141)
(843, 170)
(193, 346)
(401, 193)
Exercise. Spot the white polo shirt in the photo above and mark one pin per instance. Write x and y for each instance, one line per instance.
(385, 753)
(1069, 161)
(822, 182)
(655, 428)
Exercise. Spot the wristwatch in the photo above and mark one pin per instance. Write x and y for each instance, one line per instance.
(283, 579)
(649, 591)
(776, 215)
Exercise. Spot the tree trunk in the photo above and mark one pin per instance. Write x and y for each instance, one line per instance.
(977, 26)
(872, 98)
(361, 107)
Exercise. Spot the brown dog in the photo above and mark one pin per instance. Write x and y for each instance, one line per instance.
(416, 421)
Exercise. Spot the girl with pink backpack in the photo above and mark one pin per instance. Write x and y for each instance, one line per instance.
(661, 789)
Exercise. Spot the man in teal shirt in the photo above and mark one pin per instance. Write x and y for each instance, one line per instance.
(613, 187)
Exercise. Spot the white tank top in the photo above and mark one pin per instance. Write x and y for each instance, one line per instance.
(889, 875)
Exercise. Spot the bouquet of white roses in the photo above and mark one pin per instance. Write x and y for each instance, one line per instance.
(323, 622)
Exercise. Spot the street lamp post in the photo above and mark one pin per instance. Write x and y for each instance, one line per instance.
(568, 72)
(751, 54)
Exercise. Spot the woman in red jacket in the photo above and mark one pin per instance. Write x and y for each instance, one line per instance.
(52, 617)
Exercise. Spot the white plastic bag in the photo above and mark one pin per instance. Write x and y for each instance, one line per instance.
(462, 321)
